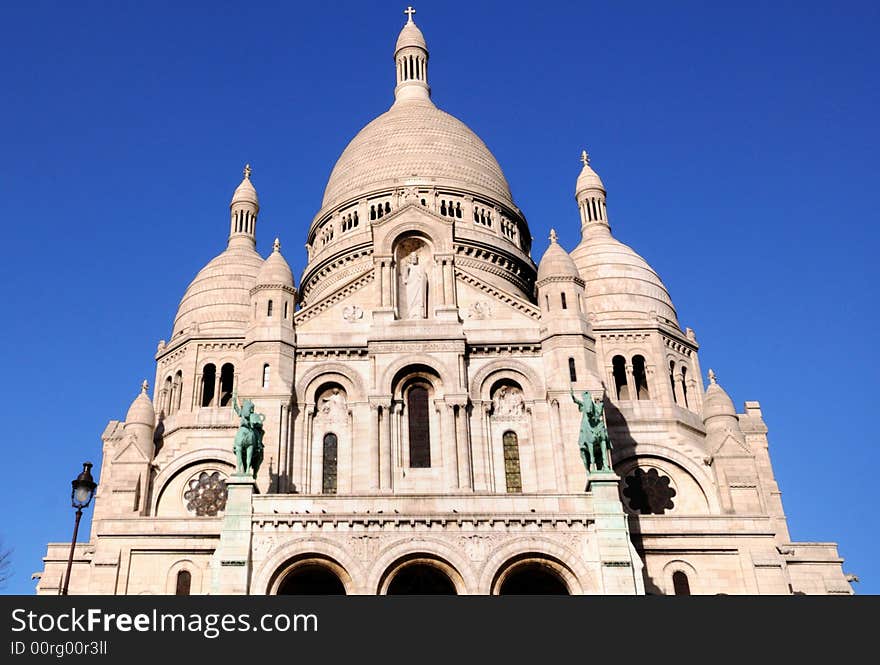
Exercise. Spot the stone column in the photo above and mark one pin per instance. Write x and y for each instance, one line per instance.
(283, 450)
(631, 382)
(374, 452)
(679, 393)
(465, 471)
(385, 457)
(231, 563)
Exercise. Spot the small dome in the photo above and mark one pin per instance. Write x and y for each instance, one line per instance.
(218, 299)
(619, 284)
(556, 262)
(410, 35)
(588, 179)
(717, 402)
(245, 192)
(275, 271)
(141, 411)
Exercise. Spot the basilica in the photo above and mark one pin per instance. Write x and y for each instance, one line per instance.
(422, 392)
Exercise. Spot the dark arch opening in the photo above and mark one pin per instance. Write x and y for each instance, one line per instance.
(184, 582)
(227, 380)
(618, 365)
(311, 579)
(421, 579)
(680, 584)
(533, 579)
(208, 377)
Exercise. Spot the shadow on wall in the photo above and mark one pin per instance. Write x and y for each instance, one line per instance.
(624, 447)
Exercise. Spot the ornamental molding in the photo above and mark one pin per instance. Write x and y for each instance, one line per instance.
(518, 304)
(417, 347)
(560, 278)
(322, 305)
(678, 346)
(495, 523)
(331, 267)
(280, 287)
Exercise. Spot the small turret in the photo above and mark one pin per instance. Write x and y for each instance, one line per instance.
(411, 59)
(590, 195)
(244, 208)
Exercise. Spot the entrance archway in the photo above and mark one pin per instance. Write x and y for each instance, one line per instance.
(532, 575)
(315, 577)
(420, 575)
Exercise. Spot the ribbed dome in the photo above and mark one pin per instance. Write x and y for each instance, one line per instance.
(218, 299)
(588, 179)
(619, 283)
(414, 141)
(275, 270)
(245, 192)
(141, 411)
(556, 262)
(410, 36)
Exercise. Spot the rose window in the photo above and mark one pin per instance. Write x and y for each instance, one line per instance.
(206, 495)
(648, 492)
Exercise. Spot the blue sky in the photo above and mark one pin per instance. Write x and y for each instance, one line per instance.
(738, 142)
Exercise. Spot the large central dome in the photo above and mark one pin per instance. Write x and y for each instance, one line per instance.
(415, 141)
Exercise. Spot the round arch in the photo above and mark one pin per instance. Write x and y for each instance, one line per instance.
(387, 242)
(680, 566)
(550, 576)
(386, 385)
(565, 562)
(222, 456)
(675, 466)
(318, 574)
(424, 551)
(281, 560)
(486, 376)
(327, 373)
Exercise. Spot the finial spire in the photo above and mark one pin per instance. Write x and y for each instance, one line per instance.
(409, 11)
(585, 158)
(712, 377)
(247, 171)
(553, 235)
(145, 386)
(277, 246)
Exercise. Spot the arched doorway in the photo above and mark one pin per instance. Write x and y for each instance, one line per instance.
(533, 579)
(532, 575)
(421, 579)
(310, 578)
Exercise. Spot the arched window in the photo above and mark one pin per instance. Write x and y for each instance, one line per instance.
(328, 475)
(266, 375)
(419, 427)
(209, 376)
(684, 385)
(680, 584)
(672, 380)
(227, 383)
(618, 365)
(511, 463)
(269, 309)
(641, 378)
(177, 390)
(184, 582)
(572, 370)
(564, 304)
(167, 389)
(285, 309)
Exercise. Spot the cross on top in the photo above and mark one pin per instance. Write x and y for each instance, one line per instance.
(247, 171)
(585, 158)
(553, 235)
(145, 386)
(409, 11)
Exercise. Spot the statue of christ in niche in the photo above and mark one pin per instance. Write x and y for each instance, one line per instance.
(415, 288)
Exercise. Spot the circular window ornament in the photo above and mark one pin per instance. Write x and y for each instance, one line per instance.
(648, 492)
(205, 494)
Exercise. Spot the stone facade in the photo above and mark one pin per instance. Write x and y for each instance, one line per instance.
(417, 392)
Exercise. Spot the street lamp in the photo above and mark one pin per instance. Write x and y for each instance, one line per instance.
(80, 497)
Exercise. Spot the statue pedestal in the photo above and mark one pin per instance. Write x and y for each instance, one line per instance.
(231, 565)
(620, 563)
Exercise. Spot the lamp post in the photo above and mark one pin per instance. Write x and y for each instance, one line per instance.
(80, 497)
